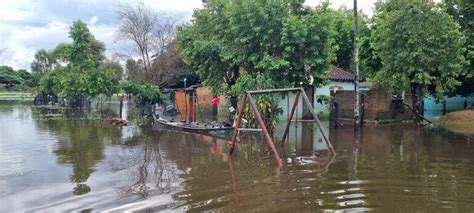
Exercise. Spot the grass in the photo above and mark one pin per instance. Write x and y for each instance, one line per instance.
(15, 95)
(460, 121)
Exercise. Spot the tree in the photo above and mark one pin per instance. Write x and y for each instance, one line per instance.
(85, 53)
(344, 42)
(169, 69)
(134, 70)
(42, 63)
(113, 69)
(289, 42)
(152, 34)
(80, 71)
(145, 93)
(137, 24)
(463, 13)
(60, 54)
(420, 47)
(9, 76)
(28, 79)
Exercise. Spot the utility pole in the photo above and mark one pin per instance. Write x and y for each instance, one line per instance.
(356, 63)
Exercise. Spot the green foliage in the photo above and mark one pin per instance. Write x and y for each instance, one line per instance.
(9, 76)
(344, 42)
(50, 83)
(280, 39)
(113, 69)
(134, 69)
(85, 73)
(18, 79)
(267, 104)
(247, 82)
(90, 84)
(85, 52)
(42, 63)
(463, 13)
(28, 79)
(61, 53)
(146, 93)
(418, 44)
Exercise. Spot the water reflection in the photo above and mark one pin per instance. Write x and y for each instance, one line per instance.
(399, 168)
(81, 145)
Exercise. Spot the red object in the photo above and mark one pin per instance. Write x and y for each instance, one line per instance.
(215, 101)
(214, 150)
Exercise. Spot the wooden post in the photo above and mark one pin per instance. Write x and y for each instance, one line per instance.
(121, 106)
(264, 129)
(444, 107)
(306, 101)
(237, 124)
(287, 128)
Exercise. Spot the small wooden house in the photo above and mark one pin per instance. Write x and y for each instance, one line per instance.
(185, 103)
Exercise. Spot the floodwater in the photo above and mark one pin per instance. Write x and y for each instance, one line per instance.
(52, 163)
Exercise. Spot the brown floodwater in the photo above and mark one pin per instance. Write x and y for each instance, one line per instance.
(53, 162)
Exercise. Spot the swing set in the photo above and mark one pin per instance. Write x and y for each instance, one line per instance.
(248, 96)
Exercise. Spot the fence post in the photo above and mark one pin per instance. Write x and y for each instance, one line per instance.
(444, 107)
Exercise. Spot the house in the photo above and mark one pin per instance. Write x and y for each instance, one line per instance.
(197, 99)
(339, 80)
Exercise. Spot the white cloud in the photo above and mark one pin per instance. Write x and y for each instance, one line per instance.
(22, 42)
(93, 20)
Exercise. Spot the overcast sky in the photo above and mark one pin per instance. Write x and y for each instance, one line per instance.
(28, 25)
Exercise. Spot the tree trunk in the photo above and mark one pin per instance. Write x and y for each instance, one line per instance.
(416, 94)
(307, 115)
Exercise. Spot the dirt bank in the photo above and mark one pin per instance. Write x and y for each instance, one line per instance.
(461, 121)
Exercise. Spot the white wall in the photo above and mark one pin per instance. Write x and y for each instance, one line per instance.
(287, 102)
(325, 90)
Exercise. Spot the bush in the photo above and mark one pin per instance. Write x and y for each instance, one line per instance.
(146, 93)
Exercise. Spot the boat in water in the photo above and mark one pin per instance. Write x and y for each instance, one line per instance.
(194, 127)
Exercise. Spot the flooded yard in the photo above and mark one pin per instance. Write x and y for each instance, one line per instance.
(72, 164)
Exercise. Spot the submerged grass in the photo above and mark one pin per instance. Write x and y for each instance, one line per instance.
(461, 121)
(15, 95)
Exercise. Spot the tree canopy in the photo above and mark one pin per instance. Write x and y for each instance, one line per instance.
(463, 13)
(289, 43)
(10, 76)
(420, 46)
(84, 73)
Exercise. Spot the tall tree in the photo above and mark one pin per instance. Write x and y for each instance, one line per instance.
(421, 48)
(169, 68)
(151, 32)
(283, 38)
(463, 13)
(134, 69)
(79, 72)
(42, 63)
(344, 42)
(137, 23)
(85, 53)
(113, 69)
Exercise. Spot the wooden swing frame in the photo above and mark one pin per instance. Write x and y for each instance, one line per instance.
(248, 97)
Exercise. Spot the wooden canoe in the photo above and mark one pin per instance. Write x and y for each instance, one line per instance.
(191, 126)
